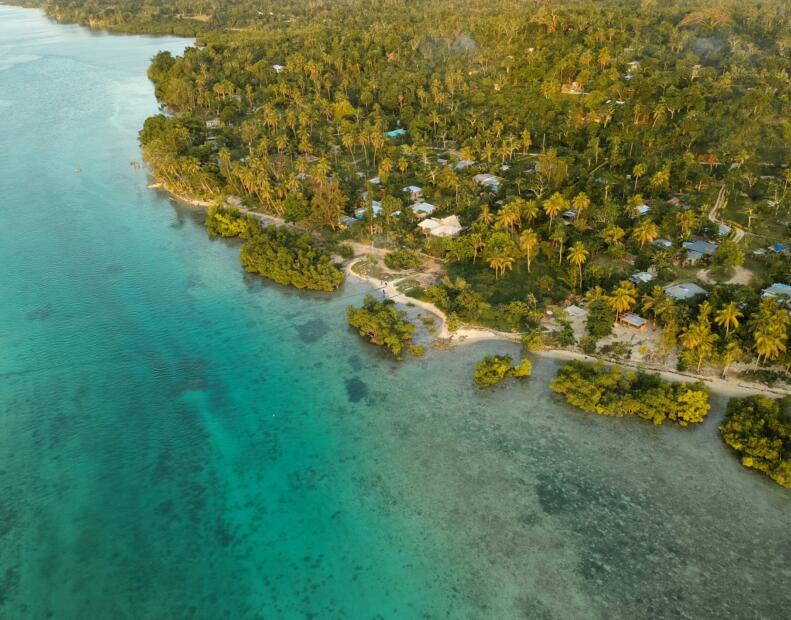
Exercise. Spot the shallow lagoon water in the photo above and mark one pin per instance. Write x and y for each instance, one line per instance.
(179, 440)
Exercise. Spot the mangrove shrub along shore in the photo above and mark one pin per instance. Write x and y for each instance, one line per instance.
(758, 429)
(612, 391)
(222, 221)
(383, 324)
(286, 256)
(492, 369)
(290, 258)
(403, 259)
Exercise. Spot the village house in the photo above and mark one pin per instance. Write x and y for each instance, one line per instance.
(684, 291)
(213, 123)
(699, 249)
(376, 207)
(463, 164)
(635, 321)
(445, 227)
(641, 277)
(488, 181)
(396, 133)
(778, 291)
(422, 209)
(414, 192)
(569, 216)
(278, 68)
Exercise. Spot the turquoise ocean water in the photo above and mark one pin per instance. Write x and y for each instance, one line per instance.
(179, 440)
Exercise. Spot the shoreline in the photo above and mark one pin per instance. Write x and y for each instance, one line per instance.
(467, 334)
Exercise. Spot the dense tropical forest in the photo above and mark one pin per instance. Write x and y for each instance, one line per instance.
(580, 146)
(610, 175)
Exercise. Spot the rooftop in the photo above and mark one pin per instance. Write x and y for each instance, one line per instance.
(777, 290)
(424, 208)
(488, 180)
(641, 277)
(633, 320)
(703, 247)
(445, 227)
(376, 207)
(684, 291)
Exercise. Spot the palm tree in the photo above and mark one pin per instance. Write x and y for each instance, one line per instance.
(486, 216)
(622, 298)
(501, 263)
(728, 317)
(597, 292)
(578, 254)
(770, 330)
(477, 244)
(528, 241)
(530, 210)
(645, 232)
(700, 339)
(580, 203)
(510, 217)
(638, 171)
(323, 169)
(385, 167)
(768, 344)
(558, 237)
(732, 354)
(686, 221)
(661, 178)
(554, 205)
(612, 235)
(652, 302)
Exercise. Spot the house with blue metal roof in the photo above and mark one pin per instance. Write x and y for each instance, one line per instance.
(779, 291)
(684, 291)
